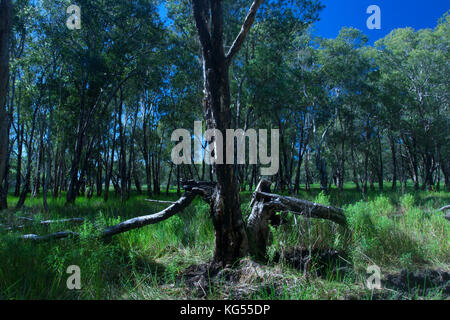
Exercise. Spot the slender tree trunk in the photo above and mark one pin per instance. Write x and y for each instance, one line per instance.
(26, 188)
(49, 153)
(394, 162)
(380, 169)
(99, 174)
(19, 159)
(341, 171)
(39, 164)
(366, 160)
(5, 28)
(155, 170)
(110, 163)
(299, 164)
(146, 155)
(411, 151)
(445, 167)
(168, 180)
(123, 155)
(308, 177)
(73, 182)
(355, 173)
(178, 181)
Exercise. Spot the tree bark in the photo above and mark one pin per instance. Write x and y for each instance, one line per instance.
(110, 163)
(26, 187)
(231, 241)
(5, 27)
(394, 162)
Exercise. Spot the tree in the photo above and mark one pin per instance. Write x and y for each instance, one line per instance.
(231, 241)
(414, 63)
(5, 28)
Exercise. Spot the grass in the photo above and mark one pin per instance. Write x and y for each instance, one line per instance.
(392, 230)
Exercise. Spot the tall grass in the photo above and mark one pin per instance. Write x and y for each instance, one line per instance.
(390, 229)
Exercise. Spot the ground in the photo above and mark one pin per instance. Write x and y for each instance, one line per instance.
(402, 233)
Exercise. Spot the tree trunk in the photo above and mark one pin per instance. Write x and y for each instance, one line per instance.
(146, 155)
(445, 166)
(19, 159)
(110, 163)
(394, 162)
(321, 167)
(99, 175)
(231, 241)
(168, 180)
(49, 152)
(73, 182)
(122, 153)
(5, 27)
(26, 187)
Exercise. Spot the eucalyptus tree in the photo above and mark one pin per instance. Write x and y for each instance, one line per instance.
(113, 45)
(415, 63)
(5, 30)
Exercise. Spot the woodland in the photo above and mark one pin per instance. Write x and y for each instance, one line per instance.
(87, 176)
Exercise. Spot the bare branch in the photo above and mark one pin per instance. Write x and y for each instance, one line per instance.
(48, 222)
(143, 221)
(131, 224)
(49, 237)
(71, 220)
(249, 19)
(160, 201)
(304, 208)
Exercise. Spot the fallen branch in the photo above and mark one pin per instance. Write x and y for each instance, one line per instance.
(160, 201)
(130, 224)
(140, 222)
(54, 236)
(264, 207)
(48, 222)
(71, 220)
(304, 208)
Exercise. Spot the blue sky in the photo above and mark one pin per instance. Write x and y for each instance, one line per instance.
(417, 14)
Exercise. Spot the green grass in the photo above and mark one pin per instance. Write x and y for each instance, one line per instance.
(392, 230)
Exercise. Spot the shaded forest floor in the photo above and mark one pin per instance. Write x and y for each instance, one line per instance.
(403, 234)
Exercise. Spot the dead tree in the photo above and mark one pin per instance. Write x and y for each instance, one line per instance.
(264, 205)
(231, 241)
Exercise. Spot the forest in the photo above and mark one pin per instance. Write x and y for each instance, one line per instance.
(90, 98)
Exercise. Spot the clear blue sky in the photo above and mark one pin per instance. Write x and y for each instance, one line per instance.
(417, 14)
